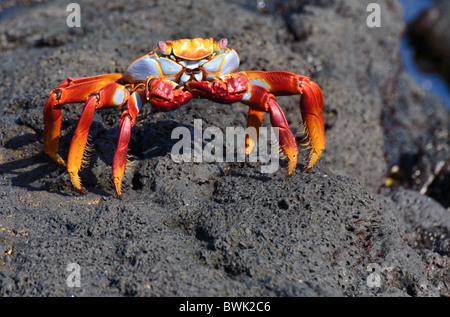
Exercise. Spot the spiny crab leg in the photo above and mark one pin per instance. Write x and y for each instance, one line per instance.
(111, 95)
(311, 104)
(255, 118)
(127, 121)
(70, 90)
(260, 99)
(258, 90)
(235, 87)
(163, 95)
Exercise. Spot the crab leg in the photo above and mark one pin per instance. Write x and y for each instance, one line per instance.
(255, 118)
(234, 87)
(163, 95)
(70, 90)
(127, 121)
(111, 95)
(311, 104)
(261, 100)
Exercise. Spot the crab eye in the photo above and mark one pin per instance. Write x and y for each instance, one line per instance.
(223, 43)
(162, 46)
(171, 56)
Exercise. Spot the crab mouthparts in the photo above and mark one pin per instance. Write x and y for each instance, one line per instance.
(191, 74)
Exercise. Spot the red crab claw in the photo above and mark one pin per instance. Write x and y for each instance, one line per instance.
(165, 96)
(311, 107)
(227, 89)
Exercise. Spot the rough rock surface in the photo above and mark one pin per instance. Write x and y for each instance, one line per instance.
(219, 229)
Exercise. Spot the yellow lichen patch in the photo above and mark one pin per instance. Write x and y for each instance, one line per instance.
(94, 202)
(13, 232)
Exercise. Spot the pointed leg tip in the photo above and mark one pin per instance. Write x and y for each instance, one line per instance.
(75, 179)
(312, 160)
(119, 194)
(58, 159)
(291, 166)
(118, 188)
(81, 191)
(306, 169)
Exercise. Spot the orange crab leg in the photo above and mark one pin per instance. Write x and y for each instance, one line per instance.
(255, 118)
(111, 95)
(235, 87)
(311, 104)
(163, 95)
(70, 90)
(260, 99)
(127, 121)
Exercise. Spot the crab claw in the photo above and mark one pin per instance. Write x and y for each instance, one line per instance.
(311, 106)
(165, 96)
(227, 89)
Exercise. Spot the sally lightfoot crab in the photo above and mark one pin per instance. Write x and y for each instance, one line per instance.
(170, 76)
